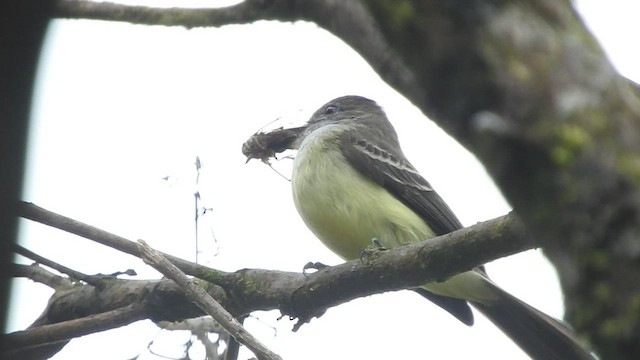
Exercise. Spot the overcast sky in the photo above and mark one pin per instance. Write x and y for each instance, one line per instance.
(119, 107)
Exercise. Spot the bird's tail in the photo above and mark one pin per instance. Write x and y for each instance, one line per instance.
(539, 335)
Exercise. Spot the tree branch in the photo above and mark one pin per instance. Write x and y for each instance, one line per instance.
(205, 302)
(46, 217)
(295, 295)
(41, 275)
(407, 267)
(157, 300)
(349, 20)
(18, 249)
(61, 332)
(242, 13)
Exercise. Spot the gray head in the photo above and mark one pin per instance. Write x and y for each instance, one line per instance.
(346, 108)
(357, 111)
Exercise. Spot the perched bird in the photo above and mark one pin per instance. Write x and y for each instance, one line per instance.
(351, 183)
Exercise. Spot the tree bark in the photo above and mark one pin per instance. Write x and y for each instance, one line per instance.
(527, 89)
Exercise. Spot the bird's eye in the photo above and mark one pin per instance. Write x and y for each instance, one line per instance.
(330, 109)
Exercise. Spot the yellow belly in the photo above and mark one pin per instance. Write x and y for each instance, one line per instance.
(346, 210)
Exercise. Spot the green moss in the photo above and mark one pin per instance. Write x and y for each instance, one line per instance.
(212, 276)
(561, 155)
(598, 260)
(634, 306)
(399, 13)
(629, 164)
(581, 316)
(602, 292)
(573, 136)
(610, 329)
(570, 140)
(597, 121)
(519, 70)
(615, 328)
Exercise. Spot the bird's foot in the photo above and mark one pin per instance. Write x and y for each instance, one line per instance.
(367, 253)
(313, 265)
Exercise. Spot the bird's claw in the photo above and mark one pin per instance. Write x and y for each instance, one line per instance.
(375, 247)
(313, 265)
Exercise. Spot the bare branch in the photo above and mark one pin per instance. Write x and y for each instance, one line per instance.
(43, 216)
(349, 20)
(206, 302)
(41, 275)
(64, 331)
(245, 12)
(158, 300)
(52, 264)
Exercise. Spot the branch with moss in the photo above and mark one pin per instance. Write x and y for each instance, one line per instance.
(294, 294)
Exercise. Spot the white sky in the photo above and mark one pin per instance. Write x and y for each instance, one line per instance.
(120, 106)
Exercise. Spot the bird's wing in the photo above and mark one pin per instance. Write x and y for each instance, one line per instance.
(398, 176)
(394, 173)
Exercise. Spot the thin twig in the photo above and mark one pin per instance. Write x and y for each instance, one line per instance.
(196, 196)
(207, 303)
(33, 212)
(74, 274)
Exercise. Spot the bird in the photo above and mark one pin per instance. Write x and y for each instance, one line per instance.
(352, 184)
